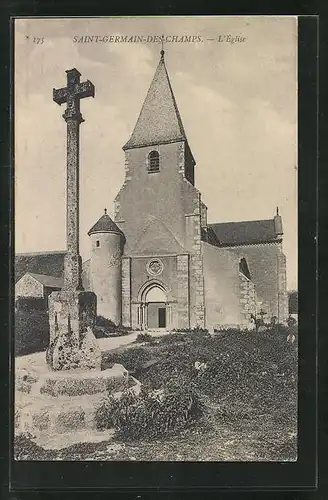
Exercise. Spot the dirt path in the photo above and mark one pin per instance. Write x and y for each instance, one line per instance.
(37, 361)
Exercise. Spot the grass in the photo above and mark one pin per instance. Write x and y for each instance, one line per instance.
(247, 383)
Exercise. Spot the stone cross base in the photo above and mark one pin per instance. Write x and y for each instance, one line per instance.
(72, 316)
(57, 407)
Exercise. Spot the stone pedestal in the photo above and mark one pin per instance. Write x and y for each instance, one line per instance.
(72, 345)
(60, 408)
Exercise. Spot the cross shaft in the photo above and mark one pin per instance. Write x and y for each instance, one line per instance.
(71, 95)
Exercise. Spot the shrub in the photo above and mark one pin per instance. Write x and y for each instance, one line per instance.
(106, 328)
(172, 337)
(248, 372)
(26, 449)
(31, 303)
(144, 337)
(132, 359)
(106, 323)
(196, 329)
(151, 415)
(31, 331)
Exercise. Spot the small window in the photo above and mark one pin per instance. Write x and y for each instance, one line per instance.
(97, 243)
(153, 161)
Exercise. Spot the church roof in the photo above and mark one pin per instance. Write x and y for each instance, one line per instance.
(48, 281)
(105, 225)
(245, 232)
(159, 121)
(47, 263)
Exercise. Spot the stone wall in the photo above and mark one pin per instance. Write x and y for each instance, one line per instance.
(222, 287)
(194, 246)
(183, 291)
(247, 297)
(267, 267)
(283, 305)
(126, 291)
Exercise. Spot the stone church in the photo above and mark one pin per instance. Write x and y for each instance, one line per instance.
(159, 263)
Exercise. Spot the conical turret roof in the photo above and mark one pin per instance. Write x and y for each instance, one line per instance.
(159, 121)
(105, 225)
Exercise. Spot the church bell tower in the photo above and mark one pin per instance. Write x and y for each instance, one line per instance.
(159, 166)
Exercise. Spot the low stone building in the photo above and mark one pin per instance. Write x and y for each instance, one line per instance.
(37, 286)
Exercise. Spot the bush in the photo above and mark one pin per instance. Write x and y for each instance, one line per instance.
(31, 331)
(106, 323)
(196, 329)
(106, 328)
(132, 359)
(171, 338)
(31, 303)
(245, 372)
(26, 449)
(144, 337)
(151, 415)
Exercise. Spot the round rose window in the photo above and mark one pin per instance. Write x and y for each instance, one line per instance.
(155, 267)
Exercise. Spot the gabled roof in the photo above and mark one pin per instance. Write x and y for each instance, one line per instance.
(47, 263)
(105, 225)
(156, 237)
(48, 281)
(159, 121)
(245, 232)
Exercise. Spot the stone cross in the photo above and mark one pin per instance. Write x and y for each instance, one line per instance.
(71, 95)
(72, 310)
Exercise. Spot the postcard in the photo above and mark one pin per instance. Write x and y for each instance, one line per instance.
(156, 294)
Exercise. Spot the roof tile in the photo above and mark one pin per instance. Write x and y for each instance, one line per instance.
(48, 281)
(245, 232)
(48, 263)
(105, 225)
(159, 121)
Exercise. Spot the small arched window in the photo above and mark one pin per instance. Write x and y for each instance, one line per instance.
(153, 161)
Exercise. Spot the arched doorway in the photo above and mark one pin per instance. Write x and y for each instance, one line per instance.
(153, 310)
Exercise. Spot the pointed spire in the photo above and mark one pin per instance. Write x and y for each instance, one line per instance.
(159, 121)
(277, 210)
(105, 211)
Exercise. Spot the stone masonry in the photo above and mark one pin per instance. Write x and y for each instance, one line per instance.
(197, 268)
(247, 296)
(183, 290)
(126, 291)
(72, 311)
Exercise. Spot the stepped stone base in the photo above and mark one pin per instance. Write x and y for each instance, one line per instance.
(77, 437)
(52, 405)
(79, 383)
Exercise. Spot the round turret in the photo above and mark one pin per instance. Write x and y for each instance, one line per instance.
(106, 267)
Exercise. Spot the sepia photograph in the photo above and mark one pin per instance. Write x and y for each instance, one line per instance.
(155, 207)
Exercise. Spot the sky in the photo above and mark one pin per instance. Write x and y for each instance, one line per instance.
(238, 104)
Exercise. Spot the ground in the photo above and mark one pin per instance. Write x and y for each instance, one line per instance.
(247, 383)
